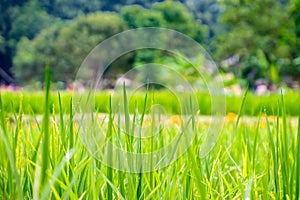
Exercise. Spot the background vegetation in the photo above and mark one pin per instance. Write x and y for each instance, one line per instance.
(253, 106)
(42, 155)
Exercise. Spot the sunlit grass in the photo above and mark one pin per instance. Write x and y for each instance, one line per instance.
(254, 104)
(45, 158)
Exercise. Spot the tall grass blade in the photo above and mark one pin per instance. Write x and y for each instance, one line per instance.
(2, 117)
(273, 152)
(254, 153)
(297, 194)
(109, 153)
(120, 174)
(284, 150)
(18, 128)
(127, 120)
(140, 175)
(46, 121)
(241, 109)
(61, 121)
(71, 127)
(152, 138)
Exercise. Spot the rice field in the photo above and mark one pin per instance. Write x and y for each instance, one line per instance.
(44, 156)
(254, 105)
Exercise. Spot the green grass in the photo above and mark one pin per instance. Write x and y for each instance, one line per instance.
(43, 157)
(254, 104)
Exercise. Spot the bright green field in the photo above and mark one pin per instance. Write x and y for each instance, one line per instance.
(43, 156)
(254, 105)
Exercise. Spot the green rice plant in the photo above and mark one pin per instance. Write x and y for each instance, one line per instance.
(140, 175)
(43, 157)
(254, 104)
(274, 154)
(297, 176)
(61, 122)
(46, 132)
(13, 188)
(110, 153)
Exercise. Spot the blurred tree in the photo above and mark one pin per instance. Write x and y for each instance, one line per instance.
(291, 67)
(2, 43)
(5, 26)
(117, 5)
(66, 9)
(137, 16)
(27, 21)
(168, 14)
(206, 12)
(258, 33)
(296, 13)
(26, 18)
(64, 46)
(177, 17)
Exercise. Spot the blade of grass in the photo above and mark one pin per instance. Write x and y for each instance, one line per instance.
(46, 121)
(140, 175)
(109, 152)
(120, 173)
(71, 127)
(127, 120)
(61, 121)
(152, 138)
(2, 115)
(274, 153)
(297, 194)
(18, 129)
(254, 153)
(241, 109)
(284, 150)
(71, 140)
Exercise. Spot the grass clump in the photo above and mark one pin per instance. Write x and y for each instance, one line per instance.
(254, 158)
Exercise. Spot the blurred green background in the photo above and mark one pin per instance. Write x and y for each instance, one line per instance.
(253, 42)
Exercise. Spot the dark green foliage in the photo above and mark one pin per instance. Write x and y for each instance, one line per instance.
(70, 9)
(64, 46)
(178, 18)
(28, 20)
(261, 34)
(267, 44)
(161, 15)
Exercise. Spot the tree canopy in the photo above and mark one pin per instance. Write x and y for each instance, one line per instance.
(65, 44)
(257, 39)
(260, 33)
